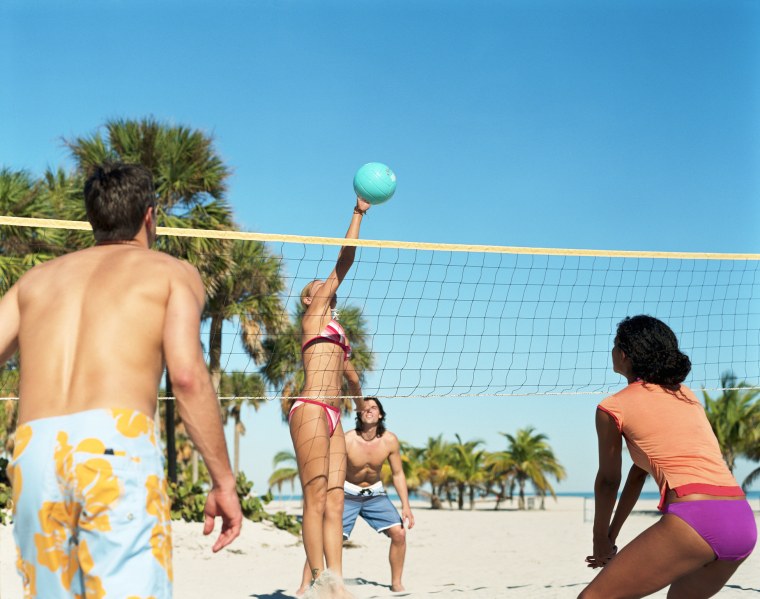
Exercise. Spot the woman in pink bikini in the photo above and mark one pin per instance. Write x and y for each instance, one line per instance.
(707, 529)
(314, 419)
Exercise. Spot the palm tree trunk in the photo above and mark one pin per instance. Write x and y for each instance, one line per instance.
(460, 496)
(521, 501)
(171, 444)
(472, 497)
(215, 351)
(236, 468)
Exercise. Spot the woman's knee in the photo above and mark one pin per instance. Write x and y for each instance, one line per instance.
(334, 502)
(315, 495)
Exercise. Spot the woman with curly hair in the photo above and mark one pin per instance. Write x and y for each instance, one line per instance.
(707, 528)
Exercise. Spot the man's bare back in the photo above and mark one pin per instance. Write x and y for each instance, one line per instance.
(79, 316)
(94, 330)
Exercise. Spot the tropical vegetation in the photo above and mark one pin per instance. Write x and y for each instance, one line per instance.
(735, 419)
(459, 471)
(243, 280)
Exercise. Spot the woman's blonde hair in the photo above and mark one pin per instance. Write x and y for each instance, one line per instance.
(306, 291)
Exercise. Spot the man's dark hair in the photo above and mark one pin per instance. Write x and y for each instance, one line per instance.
(116, 196)
(380, 422)
(653, 350)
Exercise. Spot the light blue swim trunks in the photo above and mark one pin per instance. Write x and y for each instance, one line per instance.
(91, 511)
(372, 504)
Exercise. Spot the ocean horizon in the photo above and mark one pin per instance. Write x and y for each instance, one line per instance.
(646, 495)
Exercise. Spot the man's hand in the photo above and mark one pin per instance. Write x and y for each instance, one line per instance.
(226, 505)
(408, 517)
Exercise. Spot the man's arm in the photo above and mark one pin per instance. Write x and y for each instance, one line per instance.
(399, 480)
(197, 402)
(10, 320)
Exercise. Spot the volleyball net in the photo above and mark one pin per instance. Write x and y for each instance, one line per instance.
(441, 320)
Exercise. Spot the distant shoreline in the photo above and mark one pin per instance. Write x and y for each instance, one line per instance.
(645, 496)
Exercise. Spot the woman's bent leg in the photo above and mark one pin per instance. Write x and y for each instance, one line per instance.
(661, 554)
(311, 441)
(705, 582)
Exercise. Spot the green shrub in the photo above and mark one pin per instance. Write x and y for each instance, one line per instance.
(188, 500)
(6, 495)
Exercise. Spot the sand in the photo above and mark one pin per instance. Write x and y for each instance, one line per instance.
(480, 554)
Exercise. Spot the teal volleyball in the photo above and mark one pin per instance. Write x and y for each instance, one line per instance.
(375, 183)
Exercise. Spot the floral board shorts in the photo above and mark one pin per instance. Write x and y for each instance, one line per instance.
(90, 507)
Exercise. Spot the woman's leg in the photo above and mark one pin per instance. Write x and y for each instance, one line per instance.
(663, 553)
(705, 582)
(311, 441)
(333, 522)
(305, 579)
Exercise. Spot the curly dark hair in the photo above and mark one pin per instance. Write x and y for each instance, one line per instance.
(380, 422)
(653, 350)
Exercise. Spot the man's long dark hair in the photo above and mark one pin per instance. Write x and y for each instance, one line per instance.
(380, 422)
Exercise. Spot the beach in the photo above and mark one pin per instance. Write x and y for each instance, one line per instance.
(481, 553)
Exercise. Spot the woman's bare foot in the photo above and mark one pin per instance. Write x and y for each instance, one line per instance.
(397, 588)
(327, 586)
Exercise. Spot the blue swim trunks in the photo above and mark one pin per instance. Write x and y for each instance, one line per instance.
(91, 511)
(372, 504)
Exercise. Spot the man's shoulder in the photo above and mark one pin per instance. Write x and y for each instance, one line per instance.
(175, 266)
(390, 439)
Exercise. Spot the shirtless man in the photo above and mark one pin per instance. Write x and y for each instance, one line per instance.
(94, 329)
(368, 447)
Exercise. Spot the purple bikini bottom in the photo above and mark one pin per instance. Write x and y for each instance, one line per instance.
(728, 526)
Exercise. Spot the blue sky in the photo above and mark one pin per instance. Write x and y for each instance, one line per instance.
(627, 125)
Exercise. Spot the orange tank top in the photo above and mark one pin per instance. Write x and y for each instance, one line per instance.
(669, 436)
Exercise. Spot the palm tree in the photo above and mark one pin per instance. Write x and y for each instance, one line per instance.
(249, 292)
(243, 389)
(283, 368)
(533, 460)
(64, 193)
(21, 248)
(286, 474)
(499, 469)
(436, 469)
(734, 417)
(190, 181)
(468, 469)
(753, 454)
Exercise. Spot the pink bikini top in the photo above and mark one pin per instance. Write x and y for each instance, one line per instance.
(332, 333)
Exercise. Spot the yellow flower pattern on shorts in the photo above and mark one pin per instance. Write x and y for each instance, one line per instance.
(94, 489)
(21, 439)
(52, 544)
(28, 576)
(132, 424)
(160, 537)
